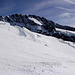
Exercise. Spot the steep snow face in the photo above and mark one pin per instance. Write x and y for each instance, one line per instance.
(35, 20)
(23, 52)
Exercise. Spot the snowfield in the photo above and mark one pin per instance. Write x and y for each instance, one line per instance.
(23, 52)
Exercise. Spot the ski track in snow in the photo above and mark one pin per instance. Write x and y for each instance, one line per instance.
(23, 52)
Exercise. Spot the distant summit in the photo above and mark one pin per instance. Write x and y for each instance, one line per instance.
(41, 25)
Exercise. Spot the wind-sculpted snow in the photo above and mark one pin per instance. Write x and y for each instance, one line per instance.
(23, 52)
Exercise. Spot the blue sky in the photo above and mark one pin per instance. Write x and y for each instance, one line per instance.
(60, 11)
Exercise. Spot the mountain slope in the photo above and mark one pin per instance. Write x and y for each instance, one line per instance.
(40, 25)
(23, 52)
(62, 27)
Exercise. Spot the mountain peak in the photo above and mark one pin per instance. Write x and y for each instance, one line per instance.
(40, 25)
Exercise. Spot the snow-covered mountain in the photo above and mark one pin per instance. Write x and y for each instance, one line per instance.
(24, 52)
(41, 25)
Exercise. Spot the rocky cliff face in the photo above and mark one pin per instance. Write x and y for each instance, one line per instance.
(40, 25)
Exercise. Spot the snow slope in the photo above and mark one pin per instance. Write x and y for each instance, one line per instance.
(68, 32)
(35, 20)
(23, 52)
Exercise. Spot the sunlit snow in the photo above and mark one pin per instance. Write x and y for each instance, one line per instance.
(23, 52)
(35, 20)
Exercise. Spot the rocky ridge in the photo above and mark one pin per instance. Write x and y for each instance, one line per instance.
(46, 27)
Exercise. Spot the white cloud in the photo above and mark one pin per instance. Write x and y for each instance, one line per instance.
(65, 15)
(70, 21)
(69, 1)
(43, 4)
(63, 8)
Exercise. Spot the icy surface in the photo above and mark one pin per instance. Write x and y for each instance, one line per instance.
(23, 52)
